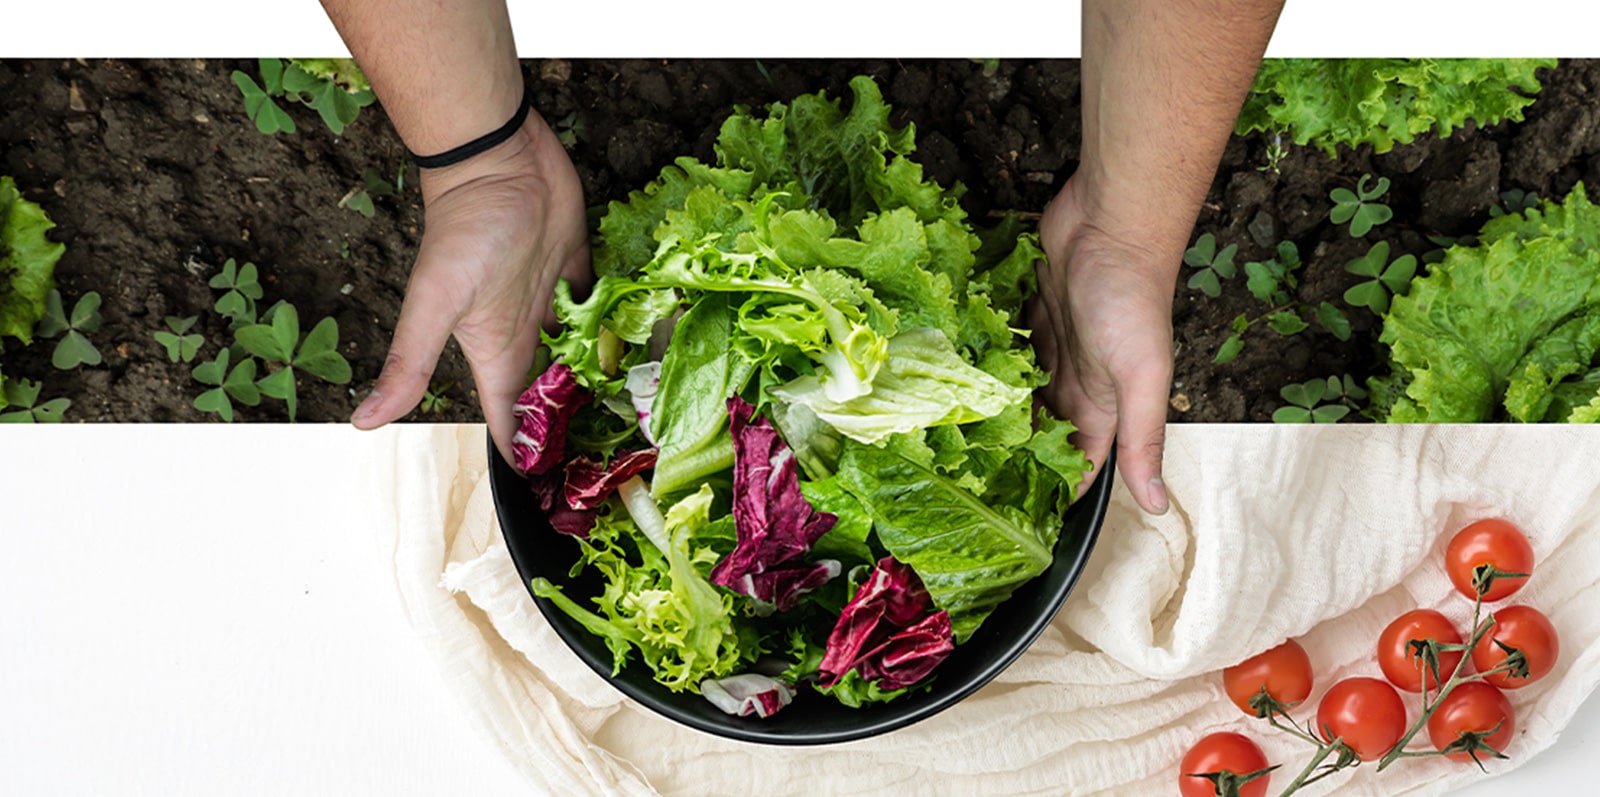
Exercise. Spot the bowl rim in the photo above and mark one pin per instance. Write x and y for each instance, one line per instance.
(579, 640)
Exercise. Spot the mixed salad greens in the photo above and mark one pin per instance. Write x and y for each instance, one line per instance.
(791, 426)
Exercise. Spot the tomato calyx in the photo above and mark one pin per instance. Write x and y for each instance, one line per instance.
(1483, 577)
(1265, 705)
(1472, 743)
(1228, 784)
(1514, 665)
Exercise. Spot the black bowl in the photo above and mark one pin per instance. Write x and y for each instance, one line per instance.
(812, 718)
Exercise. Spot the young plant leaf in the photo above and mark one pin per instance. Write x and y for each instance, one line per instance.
(1371, 263)
(1370, 294)
(86, 313)
(1199, 255)
(1230, 349)
(271, 75)
(1241, 323)
(215, 400)
(1334, 320)
(280, 385)
(1291, 415)
(1397, 277)
(51, 411)
(319, 354)
(1286, 323)
(241, 384)
(1329, 414)
(74, 350)
(212, 372)
(1206, 282)
(54, 321)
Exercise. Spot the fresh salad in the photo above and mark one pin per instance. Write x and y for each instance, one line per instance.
(791, 426)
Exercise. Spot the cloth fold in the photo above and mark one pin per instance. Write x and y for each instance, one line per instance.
(1320, 534)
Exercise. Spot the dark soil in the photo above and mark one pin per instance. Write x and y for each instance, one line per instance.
(155, 177)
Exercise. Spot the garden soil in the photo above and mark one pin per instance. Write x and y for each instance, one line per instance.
(155, 177)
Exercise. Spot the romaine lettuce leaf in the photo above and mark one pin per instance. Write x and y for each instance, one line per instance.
(698, 374)
(923, 383)
(971, 555)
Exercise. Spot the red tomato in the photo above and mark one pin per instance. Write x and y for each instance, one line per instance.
(1526, 629)
(1472, 707)
(1366, 713)
(1395, 656)
(1492, 542)
(1285, 671)
(1222, 752)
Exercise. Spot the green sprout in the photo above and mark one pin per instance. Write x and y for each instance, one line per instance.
(326, 86)
(243, 288)
(434, 399)
(1214, 266)
(181, 347)
(74, 349)
(238, 385)
(1386, 278)
(1306, 399)
(276, 342)
(20, 396)
(1358, 208)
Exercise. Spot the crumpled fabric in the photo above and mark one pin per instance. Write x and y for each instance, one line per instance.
(1320, 534)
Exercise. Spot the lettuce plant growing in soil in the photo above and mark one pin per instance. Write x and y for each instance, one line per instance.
(27, 273)
(1508, 329)
(792, 424)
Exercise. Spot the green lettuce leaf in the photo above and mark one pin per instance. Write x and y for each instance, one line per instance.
(923, 383)
(970, 554)
(700, 371)
(662, 605)
(27, 262)
(1499, 324)
(1384, 101)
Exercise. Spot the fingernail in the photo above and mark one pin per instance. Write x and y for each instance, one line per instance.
(368, 407)
(1158, 495)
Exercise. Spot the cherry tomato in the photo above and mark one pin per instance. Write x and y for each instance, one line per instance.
(1526, 629)
(1285, 671)
(1472, 707)
(1366, 713)
(1219, 752)
(1488, 542)
(1395, 656)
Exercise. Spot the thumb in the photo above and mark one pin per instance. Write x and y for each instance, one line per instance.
(426, 319)
(1142, 435)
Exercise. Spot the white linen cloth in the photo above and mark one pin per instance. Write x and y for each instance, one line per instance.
(1320, 534)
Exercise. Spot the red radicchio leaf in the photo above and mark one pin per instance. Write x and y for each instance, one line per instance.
(545, 409)
(590, 483)
(751, 693)
(783, 587)
(886, 632)
(549, 488)
(772, 520)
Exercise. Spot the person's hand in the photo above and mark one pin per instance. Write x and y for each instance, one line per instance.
(1102, 326)
(502, 228)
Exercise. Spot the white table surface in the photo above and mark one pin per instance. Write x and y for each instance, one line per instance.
(204, 610)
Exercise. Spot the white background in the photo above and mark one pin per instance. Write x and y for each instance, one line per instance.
(204, 610)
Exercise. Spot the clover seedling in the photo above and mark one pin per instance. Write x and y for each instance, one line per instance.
(74, 349)
(1514, 200)
(1305, 399)
(1272, 280)
(1358, 207)
(434, 399)
(1214, 266)
(337, 105)
(243, 288)
(238, 384)
(181, 347)
(317, 355)
(374, 185)
(258, 102)
(1334, 320)
(1386, 278)
(20, 396)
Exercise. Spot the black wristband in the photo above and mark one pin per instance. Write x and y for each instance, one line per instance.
(482, 143)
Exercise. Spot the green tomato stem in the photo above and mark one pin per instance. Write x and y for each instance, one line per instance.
(1305, 776)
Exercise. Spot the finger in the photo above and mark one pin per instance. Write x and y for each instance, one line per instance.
(499, 386)
(426, 317)
(1142, 435)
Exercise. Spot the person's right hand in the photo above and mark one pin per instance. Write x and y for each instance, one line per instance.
(501, 228)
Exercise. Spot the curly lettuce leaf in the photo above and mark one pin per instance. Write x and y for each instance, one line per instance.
(1384, 101)
(27, 262)
(1501, 323)
(660, 605)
